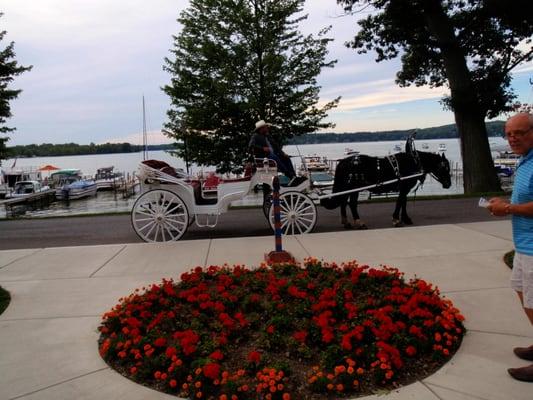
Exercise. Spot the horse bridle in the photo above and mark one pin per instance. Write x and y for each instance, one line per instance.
(441, 165)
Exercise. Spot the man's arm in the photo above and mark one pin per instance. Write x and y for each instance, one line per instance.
(256, 145)
(500, 207)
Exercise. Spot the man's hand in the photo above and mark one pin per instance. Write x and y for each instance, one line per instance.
(498, 207)
(266, 149)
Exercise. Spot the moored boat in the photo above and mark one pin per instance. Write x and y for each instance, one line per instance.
(76, 190)
(70, 185)
(10, 176)
(107, 179)
(26, 189)
(314, 163)
(321, 179)
(505, 163)
(442, 147)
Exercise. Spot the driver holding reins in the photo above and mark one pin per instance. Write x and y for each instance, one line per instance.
(262, 145)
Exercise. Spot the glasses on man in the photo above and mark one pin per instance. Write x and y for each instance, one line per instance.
(517, 134)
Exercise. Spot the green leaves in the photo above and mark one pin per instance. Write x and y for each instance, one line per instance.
(235, 62)
(9, 68)
(470, 46)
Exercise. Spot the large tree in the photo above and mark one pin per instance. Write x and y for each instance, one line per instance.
(235, 62)
(9, 68)
(469, 45)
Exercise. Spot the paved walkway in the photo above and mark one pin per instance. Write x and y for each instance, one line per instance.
(48, 333)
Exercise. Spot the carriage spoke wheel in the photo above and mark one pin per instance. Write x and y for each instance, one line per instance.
(297, 213)
(159, 216)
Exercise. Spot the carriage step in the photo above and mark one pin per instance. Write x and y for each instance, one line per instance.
(211, 220)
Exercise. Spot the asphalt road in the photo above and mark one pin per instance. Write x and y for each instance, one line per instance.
(95, 230)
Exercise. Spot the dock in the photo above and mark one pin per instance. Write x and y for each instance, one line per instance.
(31, 201)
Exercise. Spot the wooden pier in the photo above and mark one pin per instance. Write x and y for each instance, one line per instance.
(128, 187)
(31, 201)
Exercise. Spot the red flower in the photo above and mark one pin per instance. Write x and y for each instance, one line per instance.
(300, 336)
(410, 351)
(254, 356)
(134, 322)
(211, 370)
(160, 342)
(216, 355)
(254, 298)
(271, 329)
(171, 351)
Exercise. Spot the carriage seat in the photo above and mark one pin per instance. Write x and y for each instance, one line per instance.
(161, 166)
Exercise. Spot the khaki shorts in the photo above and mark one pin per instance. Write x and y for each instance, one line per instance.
(522, 277)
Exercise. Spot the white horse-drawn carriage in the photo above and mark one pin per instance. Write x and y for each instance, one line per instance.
(171, 201)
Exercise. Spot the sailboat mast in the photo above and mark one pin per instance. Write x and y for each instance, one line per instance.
(144, 133)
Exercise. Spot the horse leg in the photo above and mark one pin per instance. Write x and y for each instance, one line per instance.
(357, 222)
(344, 218)
(405, 218)
(396, 222)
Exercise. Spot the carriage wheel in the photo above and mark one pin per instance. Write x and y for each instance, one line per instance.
(159, 216)
(297, 213)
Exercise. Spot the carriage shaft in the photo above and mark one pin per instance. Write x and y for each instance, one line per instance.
(327, 196)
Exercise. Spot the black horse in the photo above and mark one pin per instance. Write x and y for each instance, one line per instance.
(362, 170)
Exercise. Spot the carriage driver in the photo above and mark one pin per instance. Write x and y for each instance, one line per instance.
(263, 146)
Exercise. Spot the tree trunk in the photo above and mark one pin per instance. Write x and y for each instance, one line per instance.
(478, 167)
(479, 174)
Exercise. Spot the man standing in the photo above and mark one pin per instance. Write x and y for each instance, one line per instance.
(519, 133)
(262, 145)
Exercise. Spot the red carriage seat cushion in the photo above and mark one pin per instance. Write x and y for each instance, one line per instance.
(161, 166)
(212, 182)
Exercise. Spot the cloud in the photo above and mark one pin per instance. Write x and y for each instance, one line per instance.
(382, 92)
(153, 137)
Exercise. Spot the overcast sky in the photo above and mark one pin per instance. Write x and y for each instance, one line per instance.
(93, 60)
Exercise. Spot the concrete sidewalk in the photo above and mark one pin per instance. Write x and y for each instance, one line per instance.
(48, 333)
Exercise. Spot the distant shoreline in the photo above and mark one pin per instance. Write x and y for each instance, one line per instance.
(494, 129)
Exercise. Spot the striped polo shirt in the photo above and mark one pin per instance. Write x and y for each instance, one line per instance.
(523, 193)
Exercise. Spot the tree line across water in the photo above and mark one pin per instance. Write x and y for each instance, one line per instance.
(494, 129)
(74, 149)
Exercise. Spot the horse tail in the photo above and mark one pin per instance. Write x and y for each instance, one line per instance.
(339, 184)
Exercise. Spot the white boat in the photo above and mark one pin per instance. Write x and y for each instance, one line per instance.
(107, 179)
(10, 176)
(425, 146)
(442, 147)
(321, 179)
(70, 185)
(26, 189)
(506, 159)
(348, 151)
(314, 163)
(397, 147)
(76, 190)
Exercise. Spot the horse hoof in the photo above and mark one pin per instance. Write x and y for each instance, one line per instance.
(407, 221)
(397, 223)
(347, 226)
(361, 227)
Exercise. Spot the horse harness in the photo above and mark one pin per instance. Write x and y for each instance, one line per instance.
(393, 161)
(394, 164)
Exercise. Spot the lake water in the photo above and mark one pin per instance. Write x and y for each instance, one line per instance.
(128, 163)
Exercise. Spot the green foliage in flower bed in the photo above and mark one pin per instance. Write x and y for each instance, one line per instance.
(284, 332)
(5, 298)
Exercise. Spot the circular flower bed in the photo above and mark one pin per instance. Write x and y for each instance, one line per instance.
(283, 332)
